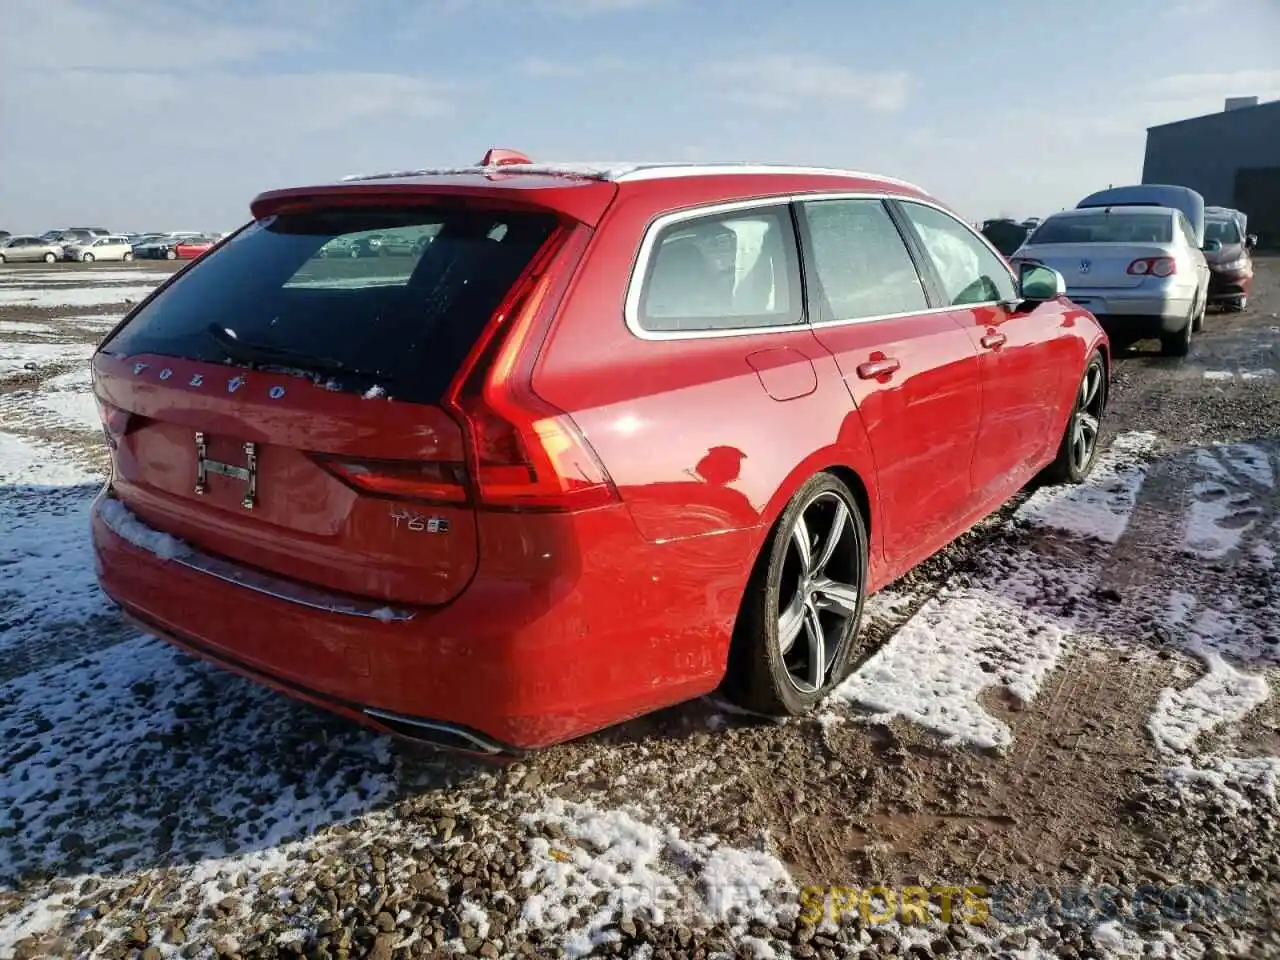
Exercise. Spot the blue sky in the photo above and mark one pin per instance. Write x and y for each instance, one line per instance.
(173, 114)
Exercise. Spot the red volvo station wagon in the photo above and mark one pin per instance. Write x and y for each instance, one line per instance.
(580, 443)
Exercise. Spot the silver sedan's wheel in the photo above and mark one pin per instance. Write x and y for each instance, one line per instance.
(88, 258)
(796, 633)
(50, 258)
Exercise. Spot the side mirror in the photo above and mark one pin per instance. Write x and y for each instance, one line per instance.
(1039, 284)
(1212, 246)
(1251, 241)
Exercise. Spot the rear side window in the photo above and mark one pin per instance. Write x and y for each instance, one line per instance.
(723, 272)
(388, 297)
(861, 261)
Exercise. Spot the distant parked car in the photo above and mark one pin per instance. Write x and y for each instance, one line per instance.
(1137, 269)
(5, 234)
(1005, 234)
(157, 248)
(192, 247)
(29, 249)
(1231, 265)
(103, 248)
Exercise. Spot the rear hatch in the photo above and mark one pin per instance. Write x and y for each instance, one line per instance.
(1093, 266)
(280, 406)
(1094, 249)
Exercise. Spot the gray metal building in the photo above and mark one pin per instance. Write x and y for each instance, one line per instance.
(1232, 158)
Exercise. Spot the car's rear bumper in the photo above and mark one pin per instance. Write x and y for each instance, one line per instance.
(1139, 306)
(512, 663)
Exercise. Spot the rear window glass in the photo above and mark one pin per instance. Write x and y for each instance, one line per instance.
(1103, 227)
(393, 298)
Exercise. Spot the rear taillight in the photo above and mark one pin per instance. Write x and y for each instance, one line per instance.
(426, 481)
(115, 422)
(525, 453)
(1154, 267)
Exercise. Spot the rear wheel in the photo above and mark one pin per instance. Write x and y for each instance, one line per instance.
(1178, 344)
(128, 256)
(1238, 306)
(1079, 447)
(87, 258)
(796, 635)
(1198, 325)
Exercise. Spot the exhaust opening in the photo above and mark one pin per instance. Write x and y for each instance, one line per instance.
(446, 736)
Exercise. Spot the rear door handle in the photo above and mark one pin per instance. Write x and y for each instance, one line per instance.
(874, 369)
(993, 340)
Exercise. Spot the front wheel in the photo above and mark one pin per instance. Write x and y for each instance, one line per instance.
(1078, 450)
(87, 258)
(127, 257)
(171, 254)
(796, 635)
(50, 258)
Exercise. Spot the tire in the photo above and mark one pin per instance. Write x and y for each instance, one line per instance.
(128, 256)
(767, 673)
(171, 254)
(50, 258)
(1179, 344)
(87, 258)
(2, 259)
(1198, 324)
(1074, 462)
(1237, 306)
(355, 253)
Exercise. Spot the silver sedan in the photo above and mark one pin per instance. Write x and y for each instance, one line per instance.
(1138, 269)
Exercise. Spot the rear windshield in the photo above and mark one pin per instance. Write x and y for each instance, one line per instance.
(1103, 227)
(358, 298)
(1224, 231)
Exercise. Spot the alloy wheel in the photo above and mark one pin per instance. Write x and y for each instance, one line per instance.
(819, 590)
(1085, 421)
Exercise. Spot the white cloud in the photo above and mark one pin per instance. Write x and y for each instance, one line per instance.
(785, 81)
(1215, 86)
(40, 36)
(545, 68)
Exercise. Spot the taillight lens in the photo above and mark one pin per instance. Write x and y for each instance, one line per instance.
(1154, 266)
(115, 422)
(526, 454)
(426, 481)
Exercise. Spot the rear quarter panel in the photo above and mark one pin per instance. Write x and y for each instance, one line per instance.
(686, 428)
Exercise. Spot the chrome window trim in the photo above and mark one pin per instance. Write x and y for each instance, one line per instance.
(635, 282)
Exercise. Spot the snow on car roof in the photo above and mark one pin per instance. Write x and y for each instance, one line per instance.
(621, 172)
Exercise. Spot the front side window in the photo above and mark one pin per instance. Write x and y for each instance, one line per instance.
(722, 272)
(970, 273)
(861, 261)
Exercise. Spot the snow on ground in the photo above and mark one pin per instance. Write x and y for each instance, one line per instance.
(1100, 508)
(999, 633)
(54, 278)
(1223, 695)
(48, 297)
(23, 326)
(19, 358)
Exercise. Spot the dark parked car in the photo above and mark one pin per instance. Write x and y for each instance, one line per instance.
(1005, 235)
(1230, 266)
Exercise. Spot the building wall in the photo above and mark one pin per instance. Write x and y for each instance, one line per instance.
(1208, 153)
(1204, 153)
